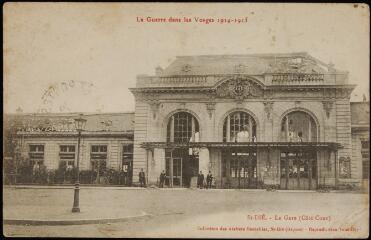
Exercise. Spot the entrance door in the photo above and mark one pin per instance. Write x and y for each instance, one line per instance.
(183, 165)
(174, 177)
(298, 170)
(239, 169)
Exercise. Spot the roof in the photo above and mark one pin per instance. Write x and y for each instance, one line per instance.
(360, 112)
(95, 121)
(253, 64)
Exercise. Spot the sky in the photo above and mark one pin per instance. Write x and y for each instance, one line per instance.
(89, 54)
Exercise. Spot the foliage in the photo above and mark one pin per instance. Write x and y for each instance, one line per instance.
(349, 187)
(63, 175)
(324, 188)
(271, 187)
(112, 176)
(87, 176)
(24, 171)
(42, 175)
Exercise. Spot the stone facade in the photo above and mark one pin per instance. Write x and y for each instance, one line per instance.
(360, 116)
(55, 130)
(52, 144)
(267, 87)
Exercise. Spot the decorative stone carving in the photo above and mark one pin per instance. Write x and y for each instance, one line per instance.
(239, 88)
(268, 107)
(298, 64)
(329, 93)
(210, 107)
(211, 95)
(39, 125)
(154, 105)
(345, 168)
(297, 103)
(343, 93)
(327, 106)
(106, 124)
(186, 68)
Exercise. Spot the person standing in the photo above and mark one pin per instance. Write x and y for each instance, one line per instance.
(209, 179)
(162, 178)
(244, 135)
(300, 137)
(200, 180)
(125, 175)
(142, 178)
(35, 172)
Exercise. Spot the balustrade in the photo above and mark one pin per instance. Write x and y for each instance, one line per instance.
(297, 78)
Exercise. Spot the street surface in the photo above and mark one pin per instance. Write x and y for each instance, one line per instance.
(193, 213)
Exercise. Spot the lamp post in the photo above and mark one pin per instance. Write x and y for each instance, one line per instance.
(80, 125)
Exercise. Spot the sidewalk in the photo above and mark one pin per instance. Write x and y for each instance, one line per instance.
(71, 186)
(118, 187)
(39, 207)
(64, 216)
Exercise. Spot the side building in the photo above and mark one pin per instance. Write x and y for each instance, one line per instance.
(51, 139)
(360, 112)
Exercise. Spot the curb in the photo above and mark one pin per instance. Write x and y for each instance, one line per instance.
(72, 187)
(35, 222)
(175, 189)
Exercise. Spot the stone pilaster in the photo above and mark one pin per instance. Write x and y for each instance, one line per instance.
(204, 160)
(156, 163)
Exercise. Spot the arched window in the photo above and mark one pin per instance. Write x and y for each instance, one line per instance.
(182, 127)
(298, 126)
(239, 127)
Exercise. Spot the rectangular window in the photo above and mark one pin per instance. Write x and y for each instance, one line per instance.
(127, 157)
(365, 169)
(98, 157)
(36, 153)
(128, 149)
(37, 148)
(365, 144)
(365, 151)
(233, 168)
(98, 152)
(99, 149)
(241, 168)
(67, 154)
(344, 164)
(298, 164)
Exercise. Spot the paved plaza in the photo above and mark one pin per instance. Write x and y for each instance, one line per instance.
(187, 212)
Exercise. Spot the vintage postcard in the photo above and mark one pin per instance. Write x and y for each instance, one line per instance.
(186, 120)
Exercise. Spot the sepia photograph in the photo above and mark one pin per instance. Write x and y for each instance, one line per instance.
(186, 120)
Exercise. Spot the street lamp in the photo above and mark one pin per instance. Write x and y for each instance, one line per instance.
(80, 125)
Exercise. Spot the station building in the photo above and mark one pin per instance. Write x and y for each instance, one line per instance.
(253, 121)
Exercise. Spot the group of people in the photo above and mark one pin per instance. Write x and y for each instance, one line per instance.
(38, 173)
(200, 179)
(293, 137)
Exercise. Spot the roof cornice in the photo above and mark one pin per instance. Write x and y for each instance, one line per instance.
(272, 87)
